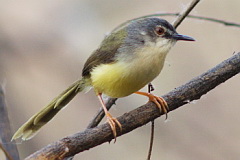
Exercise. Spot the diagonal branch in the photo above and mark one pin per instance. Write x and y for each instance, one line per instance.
(182, 16)
(193, 90)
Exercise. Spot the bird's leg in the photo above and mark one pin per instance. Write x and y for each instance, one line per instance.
(111, 120)
(159, 101)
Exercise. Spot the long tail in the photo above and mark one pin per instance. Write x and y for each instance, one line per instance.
(32, 126)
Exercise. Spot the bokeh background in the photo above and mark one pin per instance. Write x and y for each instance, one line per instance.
(43, 47)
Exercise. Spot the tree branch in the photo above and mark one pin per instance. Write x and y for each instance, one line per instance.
(226, 23)
(182, 16)
(190, 91)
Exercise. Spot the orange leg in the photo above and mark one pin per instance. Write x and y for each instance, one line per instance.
(111, 120)
(159, 101)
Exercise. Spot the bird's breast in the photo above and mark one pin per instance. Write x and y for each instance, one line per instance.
(124, 77)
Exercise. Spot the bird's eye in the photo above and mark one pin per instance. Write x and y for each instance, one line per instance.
(159, 30)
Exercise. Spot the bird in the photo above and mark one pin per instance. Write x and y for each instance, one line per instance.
(129, 58)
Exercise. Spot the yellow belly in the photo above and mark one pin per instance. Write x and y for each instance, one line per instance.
(124, 77)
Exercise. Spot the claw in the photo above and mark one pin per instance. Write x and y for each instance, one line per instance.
(159, 101)
(113, 122)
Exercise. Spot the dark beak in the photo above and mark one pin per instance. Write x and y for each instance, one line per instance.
(182, 37)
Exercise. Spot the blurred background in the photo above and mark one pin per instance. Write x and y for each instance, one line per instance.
(43, 47)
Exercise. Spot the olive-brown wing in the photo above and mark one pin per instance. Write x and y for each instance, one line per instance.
(106, 53)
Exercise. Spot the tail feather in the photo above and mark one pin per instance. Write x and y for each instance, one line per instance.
(32, 126)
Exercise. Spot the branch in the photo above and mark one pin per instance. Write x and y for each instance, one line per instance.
(182, 16)
(151, 141)
(193, 90)
(8, 148)
(226, 23)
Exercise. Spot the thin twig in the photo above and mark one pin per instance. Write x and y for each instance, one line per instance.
(182, 16)
(138, 117)
(150, 89)
(226, 23)
(151, 141)
(178, 21)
